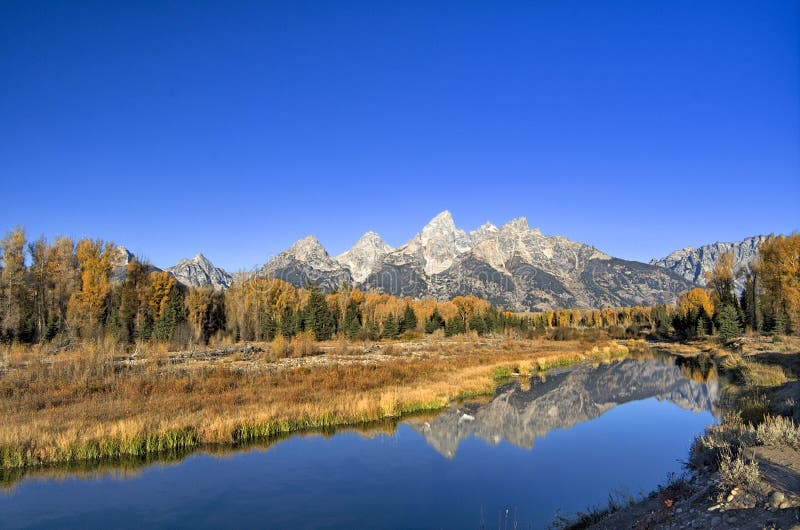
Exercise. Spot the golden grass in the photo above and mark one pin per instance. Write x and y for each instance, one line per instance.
(82, 405)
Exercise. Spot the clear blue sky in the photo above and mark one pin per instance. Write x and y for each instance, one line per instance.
(237, 128)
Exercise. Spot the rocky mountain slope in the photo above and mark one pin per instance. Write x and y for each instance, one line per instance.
(692, 264)
(364, 256)
(307, 262)
(513, 266)
(120, 258)
(200, 272)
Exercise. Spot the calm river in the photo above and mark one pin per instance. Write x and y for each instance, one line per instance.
(558, 445)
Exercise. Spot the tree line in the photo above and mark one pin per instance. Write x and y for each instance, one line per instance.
(769, 302)
(64, 290)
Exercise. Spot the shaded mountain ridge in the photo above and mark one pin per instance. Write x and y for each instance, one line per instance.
(513, 266)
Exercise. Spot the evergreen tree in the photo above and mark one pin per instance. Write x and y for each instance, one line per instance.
(700, 327)
(391, 329)
(750, 303)
(371, 331)
(661, 320)
(351, 325)
(172, 315)
(290, 323)
(492, 319)
(318, 316)
(269, 328)
(454, 326)
(728, 322)
(409, 322)
(434, 322)
(477, 324)
(779, 321)
(336, 317)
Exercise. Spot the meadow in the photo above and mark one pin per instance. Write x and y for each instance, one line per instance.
(98, 401)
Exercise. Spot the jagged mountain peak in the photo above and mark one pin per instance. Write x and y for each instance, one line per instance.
(439, 244)
(693, 263)
(120, 257)
(371, 238)
(200, 272)
(487, 226)
(513, 266)
(307, 247)
(444, 217)
(441, 225)
(198, 259)
(518, 225)
(482, 231)
(307, 261)
(362, 258)
(123, 251)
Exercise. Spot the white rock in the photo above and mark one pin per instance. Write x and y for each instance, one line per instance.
(199, 272)
(362, 258)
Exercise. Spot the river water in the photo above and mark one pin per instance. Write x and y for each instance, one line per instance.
(538, 449)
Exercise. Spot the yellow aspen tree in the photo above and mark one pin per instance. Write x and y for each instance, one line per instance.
(779, 260)
(85, 307)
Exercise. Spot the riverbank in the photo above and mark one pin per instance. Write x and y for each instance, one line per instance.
(95, 403)
(745, 471)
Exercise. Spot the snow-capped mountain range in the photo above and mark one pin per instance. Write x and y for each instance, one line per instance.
(513, 266)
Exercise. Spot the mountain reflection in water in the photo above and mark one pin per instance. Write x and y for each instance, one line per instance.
(563, 399)
(406, 474)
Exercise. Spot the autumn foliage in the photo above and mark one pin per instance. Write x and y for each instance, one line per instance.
(65, 290)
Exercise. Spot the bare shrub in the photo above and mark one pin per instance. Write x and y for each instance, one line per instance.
(735, 470)
(565, 333)
(592, 335)
(410, 335)
(391, 349)
(279, 347)
(304, 344)
(778, 431)
(616, 332)
(729, 436)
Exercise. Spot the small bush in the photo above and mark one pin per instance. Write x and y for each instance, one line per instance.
(391, 349)
(617, 332)
(565, 333)
(765, 375)
(778, 431)
(734, 470)
(592, 335)
(533, 333)
(676, 489)
(279, 347)
(502, 373)
(410, 335)
(728, 436)
(633, 331)
(704, 453)
(304, 344)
